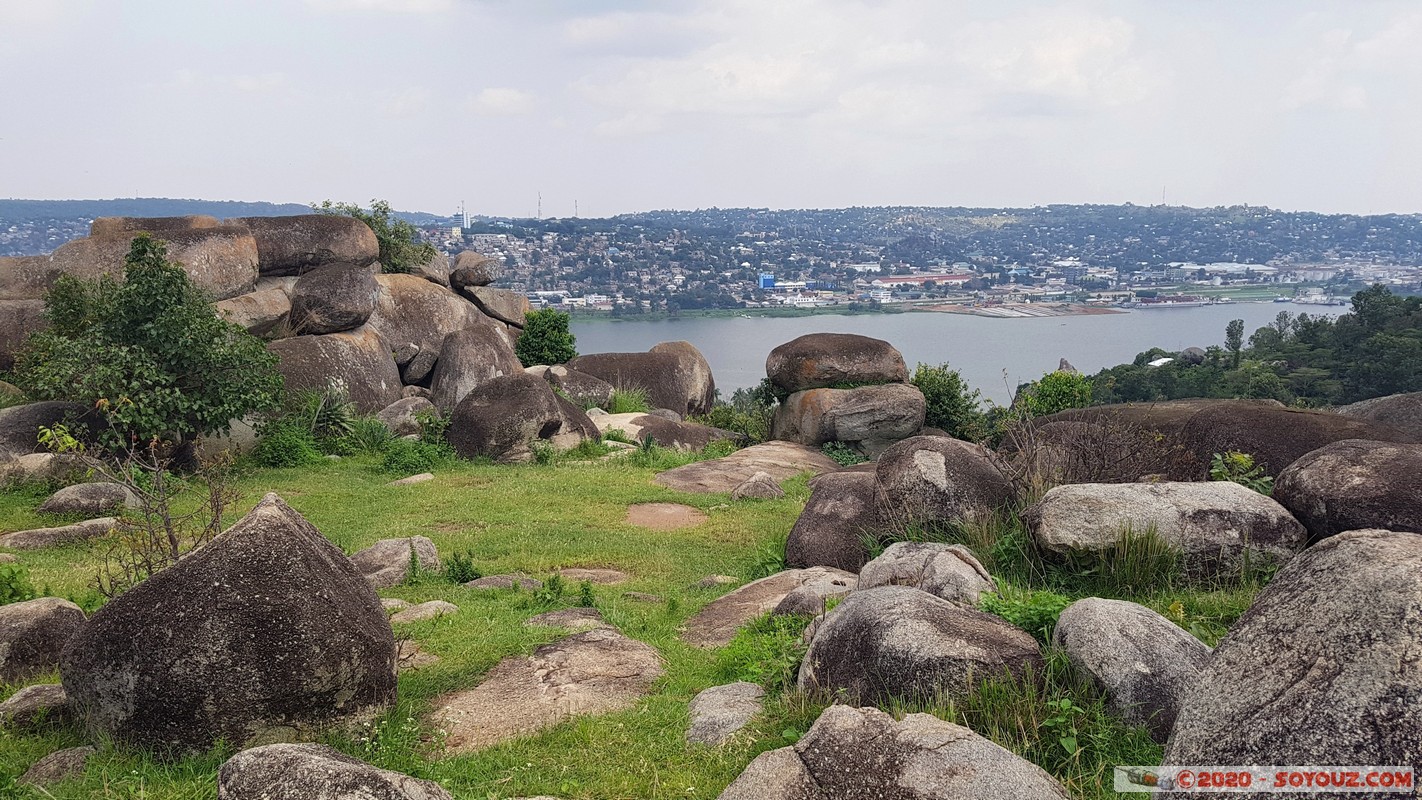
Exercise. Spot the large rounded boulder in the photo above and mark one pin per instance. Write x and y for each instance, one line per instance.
(861, 753)
(19, 425)
(949, 571)
(358, 361)
(114, 226)
(1402, 412)
(837, 524)
(1274, 435)
(315, 772)
(266, 630)
(474, 269)
(1355, 484)
(674, 374)
(1217, 527)
(333, 298)
(900, 642)
(823, 360)
(938, 480)
(292, 245)
(33, 634)
(19, 319)
(1322, 668)
(221, 261)
(412, 311)
(468, 359)
(868, 418)
(502, 417)
(1143, 662)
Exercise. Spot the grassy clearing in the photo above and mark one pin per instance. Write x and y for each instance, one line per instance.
(538, 518)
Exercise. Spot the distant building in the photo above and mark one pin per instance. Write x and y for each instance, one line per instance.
(767, 280)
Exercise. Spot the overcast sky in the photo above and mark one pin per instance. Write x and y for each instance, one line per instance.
(625, 106)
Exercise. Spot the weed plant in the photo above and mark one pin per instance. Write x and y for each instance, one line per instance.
(631, 400)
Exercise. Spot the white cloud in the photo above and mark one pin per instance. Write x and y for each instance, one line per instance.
(500, 102)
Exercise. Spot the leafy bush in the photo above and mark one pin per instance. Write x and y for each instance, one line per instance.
(329, 415)
(545, 339)
(1241, 469)
(459, 567)
(952, 407)
(285, 444)
(1056, 391)
(586, 598)
(432, 426)
(400, 247)
(407, 457)
(617, 435)
(149, 353)
(15, 586)
(1033, 611)
(367, 435)
(842, 454)
(629, 401)
(551, 592)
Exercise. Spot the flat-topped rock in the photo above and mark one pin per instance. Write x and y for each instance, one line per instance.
(594, 672)
(717, 623)
(717, 713)
(574, 619)
(57, 766)
(594, 575)
(507, 581)
(64, 534)
(427, 610)
(387, 562)
(90, 499)
(781, 460)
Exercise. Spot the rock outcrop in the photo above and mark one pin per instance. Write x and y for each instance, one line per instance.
(1142, 661)
(1355, 484)
(717, 713)
(1322, 668)
(867, 418)
(948, 571)
(674, 374)
(333, 298)
(359, 361)
(781, 460)
(33, 634)
(268, 628)
(937, 480)
(900, 642)
(837, 524)
(387, 562)
(315, 772)
(292, 245)
(716, 624)
(468, 359)
(853, 753)
(822, 360)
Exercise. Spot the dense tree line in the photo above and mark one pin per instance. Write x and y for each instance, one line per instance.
(1298, 359)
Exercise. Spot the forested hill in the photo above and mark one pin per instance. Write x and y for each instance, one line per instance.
(29, 210)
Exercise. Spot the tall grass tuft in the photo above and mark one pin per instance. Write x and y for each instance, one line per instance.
(631, 400)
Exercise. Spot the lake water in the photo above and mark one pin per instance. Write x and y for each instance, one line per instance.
(993, 355)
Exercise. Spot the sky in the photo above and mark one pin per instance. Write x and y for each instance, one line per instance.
(610, 107)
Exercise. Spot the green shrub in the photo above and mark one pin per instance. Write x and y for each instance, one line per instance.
(329, 415)
(842, 454)
(1241, 469)
(545, 339)
(629, 401)
(617, 435)
(407, 457)
(148, 352)
(432, 426)
(1056, 391)
(284, 444)
(15, 586)
(367, 435)
(586, 598)
(951, 406)
(551, 592)
(400, 247)
(459, 567)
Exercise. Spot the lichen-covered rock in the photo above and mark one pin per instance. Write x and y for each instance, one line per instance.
(781, 459)
(500, 304)
(267, 628)
(934, 480)
(114, 226)
(33, 634)
(1274, 435)
(333, 298)
(836, 525)
(665, 432)
(1214, 525)
(900, 642)
(717, 713)
(1354, 484)
(315, 772)
(716, 623)
(868, 418)
(402, 417)
(474, 269)
(259, 312)
(25, 708)
(291, 245)
(221, 261)
(949, 571)
(412, 310)
(387, 562)
(89, 499)
(760, 486)
(594, 672)
(583, 389)
(359, 361)
(63, 534)
(1322, 668)
(57, 766)
(818, 360)
(853, 753)
(1142, 661)
(1402, 412)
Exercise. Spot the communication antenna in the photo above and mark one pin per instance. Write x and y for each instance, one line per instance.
(1162, 195)
(575, 209)
(540, 205)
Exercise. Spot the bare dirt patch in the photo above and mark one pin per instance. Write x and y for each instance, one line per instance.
(664, 516)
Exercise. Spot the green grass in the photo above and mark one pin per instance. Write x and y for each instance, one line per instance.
(629, 401)
(570, 512)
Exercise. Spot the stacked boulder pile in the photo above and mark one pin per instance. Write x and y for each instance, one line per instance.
(431, 338)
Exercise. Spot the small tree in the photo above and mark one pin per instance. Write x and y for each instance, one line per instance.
(546, 339)
(149, 353)
(1056, 391)
(952, 406)
(1234, 341)
(400, 247)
